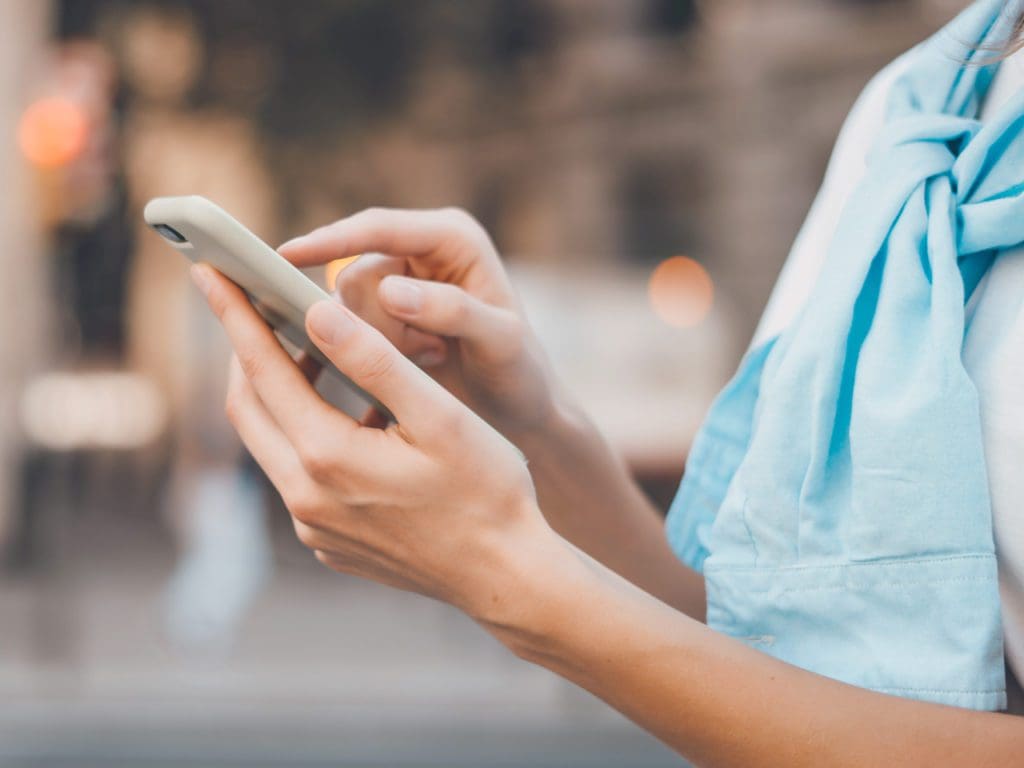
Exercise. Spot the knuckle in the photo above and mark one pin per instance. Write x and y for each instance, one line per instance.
(322, 557)
(377, 364)
(471, 231)
(450, 424)
(304, 508)
(331, 560)
(318, 461)
(373, 216)
(364, 267)
(351, 287)
(460, 218)
(306, 535)
(252, 364)
(457, 306)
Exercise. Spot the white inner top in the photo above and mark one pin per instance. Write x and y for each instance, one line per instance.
(994, 344)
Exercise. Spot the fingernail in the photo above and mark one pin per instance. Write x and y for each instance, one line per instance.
(200, 274)
(290, 243)
(331, 322)
(296, 240)
(402, 295)
(430, 358)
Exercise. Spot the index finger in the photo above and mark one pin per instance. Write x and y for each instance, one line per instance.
(396, 232)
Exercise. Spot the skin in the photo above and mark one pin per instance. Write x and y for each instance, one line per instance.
(586, 588)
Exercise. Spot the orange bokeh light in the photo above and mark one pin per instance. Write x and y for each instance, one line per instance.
(681, 292)
(334, 269)
(52, 132)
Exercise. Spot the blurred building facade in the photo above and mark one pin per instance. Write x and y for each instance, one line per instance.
(23, 313)
(577, 130)
(593, 138)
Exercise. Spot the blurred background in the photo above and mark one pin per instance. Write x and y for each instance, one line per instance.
(643, 166)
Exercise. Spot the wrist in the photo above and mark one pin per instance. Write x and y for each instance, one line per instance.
(567, 612)
(536, 584)
(560, 435)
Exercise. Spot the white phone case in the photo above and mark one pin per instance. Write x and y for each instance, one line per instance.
(278, 290)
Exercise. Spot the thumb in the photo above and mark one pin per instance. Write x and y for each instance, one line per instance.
(447, 310)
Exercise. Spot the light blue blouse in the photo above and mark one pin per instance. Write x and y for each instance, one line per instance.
(836, 498)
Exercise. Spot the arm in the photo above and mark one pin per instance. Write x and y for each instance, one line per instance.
(370, 502)
(442, 297)
(718, 702)
(588, 496)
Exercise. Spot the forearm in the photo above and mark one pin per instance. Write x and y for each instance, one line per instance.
(720, 703)
(589, 497)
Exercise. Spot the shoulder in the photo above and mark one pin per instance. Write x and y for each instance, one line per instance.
(849, 157)
(846, 167)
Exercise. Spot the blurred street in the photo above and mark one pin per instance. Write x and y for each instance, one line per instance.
(326, 671)
(637, 166)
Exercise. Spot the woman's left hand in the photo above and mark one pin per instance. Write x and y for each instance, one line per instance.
(439, 504)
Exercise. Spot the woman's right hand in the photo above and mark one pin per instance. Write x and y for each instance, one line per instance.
(432, 282)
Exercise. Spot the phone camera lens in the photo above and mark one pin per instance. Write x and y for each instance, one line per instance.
(170, 233)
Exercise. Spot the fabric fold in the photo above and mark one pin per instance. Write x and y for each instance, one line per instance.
(846, 621)
(847, 451)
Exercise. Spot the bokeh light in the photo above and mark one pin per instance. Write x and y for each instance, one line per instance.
(334, 269)
(95, 409)
(52, 132)
(681, 292)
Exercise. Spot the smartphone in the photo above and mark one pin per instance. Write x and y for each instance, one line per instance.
(205, 232)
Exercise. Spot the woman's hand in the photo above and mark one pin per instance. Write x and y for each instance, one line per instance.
(439, 504)
(442, 505)
(437, 290)
(442, 297)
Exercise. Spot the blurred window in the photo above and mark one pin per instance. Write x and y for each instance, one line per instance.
(660, 203)
(518, 29)
(671, 17)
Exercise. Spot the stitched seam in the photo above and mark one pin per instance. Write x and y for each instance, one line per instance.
(854, 586)
(867, 564)
(957, 691)
(872, 585)
(865, 586)
(885, 584)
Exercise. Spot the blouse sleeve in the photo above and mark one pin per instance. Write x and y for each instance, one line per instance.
(696, 504)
